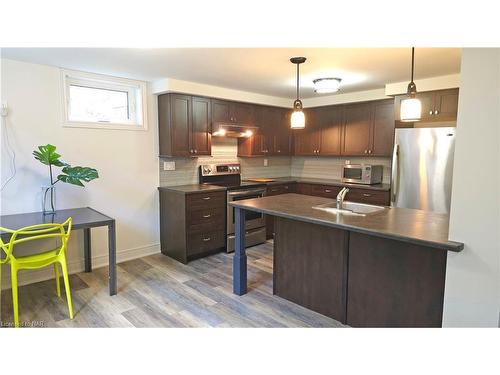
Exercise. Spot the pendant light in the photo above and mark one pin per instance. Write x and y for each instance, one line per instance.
(411, 108)
(298, 120)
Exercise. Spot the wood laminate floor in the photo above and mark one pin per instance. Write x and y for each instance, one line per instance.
(157, 291)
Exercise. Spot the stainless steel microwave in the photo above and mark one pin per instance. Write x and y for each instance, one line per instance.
(365, 174)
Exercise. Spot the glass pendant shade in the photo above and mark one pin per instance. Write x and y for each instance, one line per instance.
(298, 120)
(411, 110)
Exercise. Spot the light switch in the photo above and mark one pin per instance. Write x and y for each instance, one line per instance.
(169, 165)
(265, 162)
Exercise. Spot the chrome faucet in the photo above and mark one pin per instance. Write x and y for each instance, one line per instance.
(340, 197)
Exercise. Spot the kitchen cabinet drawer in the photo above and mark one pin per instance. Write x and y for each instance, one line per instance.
(325, 191)
(368, 196)
(212, 216)
(204, 241)
(280, 189)
(305, 189)
(206, 200)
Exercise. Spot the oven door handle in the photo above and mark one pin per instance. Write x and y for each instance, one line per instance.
(245, 192)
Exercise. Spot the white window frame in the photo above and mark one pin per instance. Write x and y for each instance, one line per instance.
(137, 99)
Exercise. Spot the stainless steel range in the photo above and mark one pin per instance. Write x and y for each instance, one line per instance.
(229, 175)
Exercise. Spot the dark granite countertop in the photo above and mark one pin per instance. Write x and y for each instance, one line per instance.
(321, 181)
(414, 226)
(195, 188)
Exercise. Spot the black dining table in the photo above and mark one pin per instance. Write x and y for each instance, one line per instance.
(83, 218)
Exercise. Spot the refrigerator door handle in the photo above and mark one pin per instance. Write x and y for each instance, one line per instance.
(394, 173)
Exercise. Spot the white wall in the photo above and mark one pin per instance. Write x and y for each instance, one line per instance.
(126, 160)
(472, 292)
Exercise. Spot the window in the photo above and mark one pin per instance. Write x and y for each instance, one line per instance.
(97, 101)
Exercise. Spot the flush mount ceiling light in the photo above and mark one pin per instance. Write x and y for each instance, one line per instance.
(326, 85)
(298, 120)
(411, 108)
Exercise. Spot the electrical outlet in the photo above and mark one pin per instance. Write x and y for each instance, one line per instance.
(4, 109)
(169, 165)
(265, 162)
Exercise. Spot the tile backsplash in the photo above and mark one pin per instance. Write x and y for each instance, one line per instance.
(331, 167)
(224, 150)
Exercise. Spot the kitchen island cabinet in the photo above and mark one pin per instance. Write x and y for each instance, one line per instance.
(385, 269)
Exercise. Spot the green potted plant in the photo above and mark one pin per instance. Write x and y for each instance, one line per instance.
(71, 175)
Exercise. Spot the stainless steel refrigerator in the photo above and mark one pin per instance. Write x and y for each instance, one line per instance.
(422, 168)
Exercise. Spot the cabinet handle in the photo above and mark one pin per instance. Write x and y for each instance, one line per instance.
(436, 112)
(195, 151)
(274, 190)
(207, 216)
(206, 198)
(366, 151)
(191, 151)
(369, 151)
(286, 187)
(206, 239)
(328, 191)
(279, 150)
(367, 195)
(431, 112)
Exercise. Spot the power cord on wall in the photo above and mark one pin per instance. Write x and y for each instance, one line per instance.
(4, 112)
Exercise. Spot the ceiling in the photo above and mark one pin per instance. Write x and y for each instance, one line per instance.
(259, 70)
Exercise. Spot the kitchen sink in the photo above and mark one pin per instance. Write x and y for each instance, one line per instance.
(350, 208)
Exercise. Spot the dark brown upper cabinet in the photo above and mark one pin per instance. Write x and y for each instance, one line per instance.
(201, 126)
(357, 129)
(330, 121)
(282, 134)
(307, 141)
(272, 137)
(369, 128)
(352, 130)
(440, 105)
(184, 125)
(383, 128)
(227, 112)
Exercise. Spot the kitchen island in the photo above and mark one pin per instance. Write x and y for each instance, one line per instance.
(383, 269)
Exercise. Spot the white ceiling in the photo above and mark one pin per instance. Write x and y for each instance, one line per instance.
(259, 70)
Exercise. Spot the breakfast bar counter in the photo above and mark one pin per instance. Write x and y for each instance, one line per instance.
(380, 269)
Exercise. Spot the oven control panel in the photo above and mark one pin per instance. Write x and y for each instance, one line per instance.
(220, 169)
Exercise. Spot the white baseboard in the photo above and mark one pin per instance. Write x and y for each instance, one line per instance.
(33, 276)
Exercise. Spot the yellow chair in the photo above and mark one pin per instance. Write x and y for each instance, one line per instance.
(55, 257)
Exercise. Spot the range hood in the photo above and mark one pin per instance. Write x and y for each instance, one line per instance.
(233, 131)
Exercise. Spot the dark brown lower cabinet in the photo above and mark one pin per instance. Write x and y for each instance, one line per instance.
(192, 225)
(360, 195)
(357, 279)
